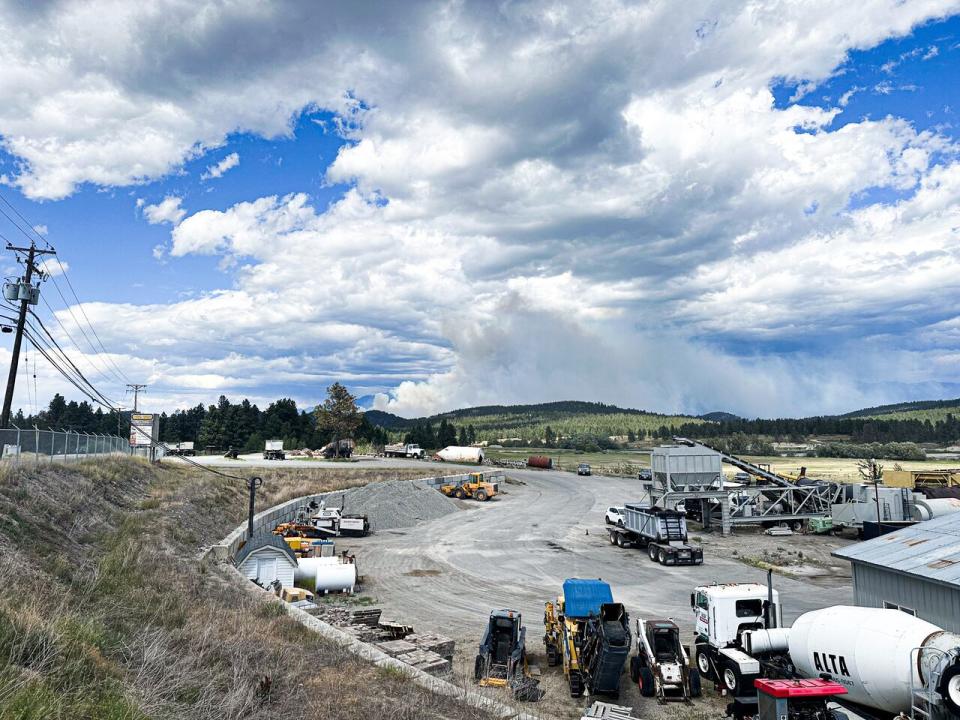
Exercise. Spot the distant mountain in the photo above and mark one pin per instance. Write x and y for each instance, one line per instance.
(387, 421)
(905, 407)
(720, 417)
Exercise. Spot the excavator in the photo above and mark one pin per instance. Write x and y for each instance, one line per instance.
(475, 487)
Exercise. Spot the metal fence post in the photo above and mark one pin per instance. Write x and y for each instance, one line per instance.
(76, 452)
(36, 448)
(66, 442)
(18, 447)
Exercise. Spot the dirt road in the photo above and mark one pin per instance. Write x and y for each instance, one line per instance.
(515, 551)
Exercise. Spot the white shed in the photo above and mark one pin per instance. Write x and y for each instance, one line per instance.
(267, 558)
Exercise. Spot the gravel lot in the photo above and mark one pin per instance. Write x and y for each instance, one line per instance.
(446, 574)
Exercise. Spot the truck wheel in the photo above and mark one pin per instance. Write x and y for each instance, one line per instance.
(458, 493)
(652, 552)
(950, 688)
(478, 668)
(730, 676)
(695, 688)
(647, 687)
(620, 542)
(703, 662)
(662, 557)
(613, 538)
(635, 668)
(481, 495)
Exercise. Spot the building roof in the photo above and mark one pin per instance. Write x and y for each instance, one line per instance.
(930, 550)
(265, 541)
(582, 598)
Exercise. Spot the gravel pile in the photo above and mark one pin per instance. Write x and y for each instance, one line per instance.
(395, 503)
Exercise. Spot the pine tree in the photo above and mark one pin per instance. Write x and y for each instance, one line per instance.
(339, 414)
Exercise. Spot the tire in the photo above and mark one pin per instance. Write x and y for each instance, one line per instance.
(695, 685)
(647, 686)
(635, 669)
(796, 525)
(702, 660)
(950, 688)
(620, 542)
(662, 557)
(481, 495)
(652, 552)
(607, 520)
(731, 679)
(458, 493)
(613, 538)
(478, 668)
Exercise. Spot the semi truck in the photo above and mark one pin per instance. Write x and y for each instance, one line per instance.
(663, 533)
(181, 448)
(889, 661)
(456, 453)
(404, 450)
(273, 450)
(590, 634)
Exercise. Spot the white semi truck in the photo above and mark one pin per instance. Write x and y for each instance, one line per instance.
(273, 450)
(887, 660)
(406, 450)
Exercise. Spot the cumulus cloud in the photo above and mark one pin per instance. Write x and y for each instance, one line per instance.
(218, 169)
(599, 200)
(167, 210)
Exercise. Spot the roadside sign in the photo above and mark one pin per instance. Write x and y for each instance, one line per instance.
(144, 429)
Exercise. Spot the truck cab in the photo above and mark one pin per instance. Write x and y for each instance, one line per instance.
(722, 613)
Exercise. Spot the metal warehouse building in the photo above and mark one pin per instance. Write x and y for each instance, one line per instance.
(916, 569)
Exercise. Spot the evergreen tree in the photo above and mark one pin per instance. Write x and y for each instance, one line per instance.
(339, 414)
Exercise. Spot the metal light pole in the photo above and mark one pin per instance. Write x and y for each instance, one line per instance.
(253, 483)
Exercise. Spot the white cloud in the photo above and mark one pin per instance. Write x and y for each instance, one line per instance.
(595, 200)
(167, 210)
(217, 170)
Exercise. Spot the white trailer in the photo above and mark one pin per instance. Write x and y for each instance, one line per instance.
(455, 453)
(408, 450)
(182, 448)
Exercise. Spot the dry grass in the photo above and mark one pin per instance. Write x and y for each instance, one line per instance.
(104, 613)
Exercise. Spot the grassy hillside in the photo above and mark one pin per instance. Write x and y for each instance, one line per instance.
(106, 613)
(932, 410)
(529, 422)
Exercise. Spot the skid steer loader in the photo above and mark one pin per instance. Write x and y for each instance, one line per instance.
(502, 658)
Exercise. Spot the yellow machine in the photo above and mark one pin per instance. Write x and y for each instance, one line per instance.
(476, 487)
(561, 640)
(921, 478)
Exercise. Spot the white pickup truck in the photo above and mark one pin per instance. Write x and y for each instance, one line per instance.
(402, 450)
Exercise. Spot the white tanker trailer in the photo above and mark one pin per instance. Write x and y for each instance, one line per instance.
(881, 656)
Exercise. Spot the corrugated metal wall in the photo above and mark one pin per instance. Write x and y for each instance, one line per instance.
(935, 603)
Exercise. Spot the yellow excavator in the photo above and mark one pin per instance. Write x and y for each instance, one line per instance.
(475, 487)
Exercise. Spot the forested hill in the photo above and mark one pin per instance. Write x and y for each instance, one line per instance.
(921, 410)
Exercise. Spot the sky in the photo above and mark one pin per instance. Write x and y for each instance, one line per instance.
(683, 207)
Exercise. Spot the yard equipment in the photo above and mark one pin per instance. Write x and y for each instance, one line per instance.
(502, 659)
(590, 634)
(273, 450)
(474, 487)
(798, 699)
(661, 666)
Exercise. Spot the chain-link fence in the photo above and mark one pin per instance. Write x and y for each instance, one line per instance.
(22, 445)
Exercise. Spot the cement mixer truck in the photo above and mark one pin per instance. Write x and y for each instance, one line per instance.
(887, 660)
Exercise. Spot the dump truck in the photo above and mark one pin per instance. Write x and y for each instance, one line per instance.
(181, 448)
(502, 657)
(404, 450)
(590, 634)
(475, 487)
(662, 532)
(273, 450)
(661, 667)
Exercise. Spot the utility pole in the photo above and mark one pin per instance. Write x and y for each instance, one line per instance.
(136, 392)
(26, 296)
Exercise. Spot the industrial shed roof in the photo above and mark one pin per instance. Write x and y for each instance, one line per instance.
(263, 541)
(930, 550)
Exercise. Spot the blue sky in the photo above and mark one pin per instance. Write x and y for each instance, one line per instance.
(753, 209)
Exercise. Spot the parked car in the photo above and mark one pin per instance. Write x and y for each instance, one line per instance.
(645, 474)
(614, 516)
(583, 469)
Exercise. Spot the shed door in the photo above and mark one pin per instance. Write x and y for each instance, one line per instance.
(266, 570)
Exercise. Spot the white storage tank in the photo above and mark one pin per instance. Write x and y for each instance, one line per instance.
(455, 453)
(323, 575)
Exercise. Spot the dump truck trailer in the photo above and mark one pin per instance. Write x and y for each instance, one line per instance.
(663, 533)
